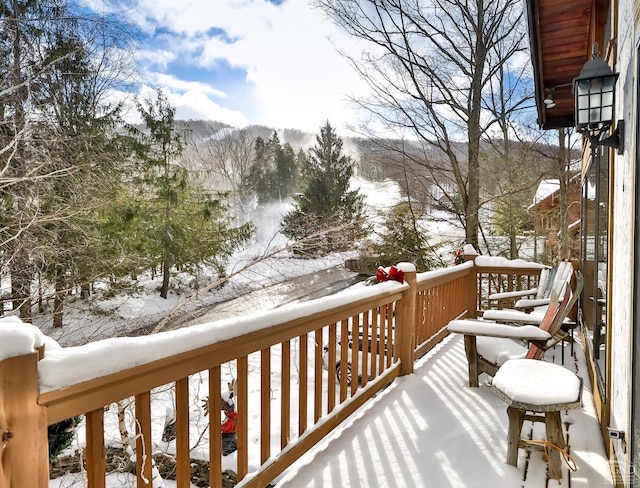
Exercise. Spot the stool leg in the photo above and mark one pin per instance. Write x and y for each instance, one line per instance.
(553, 427)
(516, 419)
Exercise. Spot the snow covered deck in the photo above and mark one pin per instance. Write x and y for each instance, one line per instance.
(430, 429)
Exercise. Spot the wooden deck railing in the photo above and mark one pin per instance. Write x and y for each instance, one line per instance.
(291, 367)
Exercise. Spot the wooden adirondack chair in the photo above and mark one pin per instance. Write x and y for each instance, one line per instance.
(550, 279)
(560, 281)
(518, 317)
(489, 344)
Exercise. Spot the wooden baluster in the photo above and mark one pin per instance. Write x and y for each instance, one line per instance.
(317, 364)
(366, 348)
(344, 359)
(95, 453)
(428, 312)
(302, 385)
(243, 417)
(143, 440)
(331, 354)
(390, 335)
(355, 350)
(375, 325)
(381, 313)
(439, 310)
(183, 455)
(215, 437)
(285, 397)
(265, 404)
(421, 332)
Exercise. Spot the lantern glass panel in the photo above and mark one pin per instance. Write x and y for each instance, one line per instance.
(608, 83)
(582, 102)
(583, 87)
(595, 84)
(583, 117)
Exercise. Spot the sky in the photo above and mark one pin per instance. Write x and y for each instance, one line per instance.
(244, 62)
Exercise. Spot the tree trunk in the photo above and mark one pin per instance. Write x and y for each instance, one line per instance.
(58, 300)
(21, 285)
(513, 246)
(20, 268)
(166, 273)
(85, 290)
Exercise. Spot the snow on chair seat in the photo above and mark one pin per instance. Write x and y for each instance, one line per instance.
(497, 343)
(492, 329)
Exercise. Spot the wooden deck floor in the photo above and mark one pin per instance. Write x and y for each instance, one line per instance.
(430, 429)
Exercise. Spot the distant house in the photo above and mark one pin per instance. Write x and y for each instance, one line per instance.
(546, 216)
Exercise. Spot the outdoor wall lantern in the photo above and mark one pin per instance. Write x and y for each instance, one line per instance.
(595, 93)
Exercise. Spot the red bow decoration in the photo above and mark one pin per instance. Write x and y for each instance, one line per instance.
(394, 274)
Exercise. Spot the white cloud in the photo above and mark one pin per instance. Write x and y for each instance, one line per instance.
(195, 104)
(296, 77)
(156, 57)
(171, 82)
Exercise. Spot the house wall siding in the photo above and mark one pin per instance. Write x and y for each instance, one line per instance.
(622, 224)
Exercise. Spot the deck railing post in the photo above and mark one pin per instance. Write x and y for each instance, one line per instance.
(406, 328)
(470, 254)
(23, 425)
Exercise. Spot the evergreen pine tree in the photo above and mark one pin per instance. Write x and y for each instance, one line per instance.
(183, 225)
(61, 435)
(272, 176)
(403, 239)
(327, 216)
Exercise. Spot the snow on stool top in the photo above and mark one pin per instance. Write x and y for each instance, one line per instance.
(537, 382)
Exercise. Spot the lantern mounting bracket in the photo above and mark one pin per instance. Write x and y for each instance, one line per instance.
(614, 140)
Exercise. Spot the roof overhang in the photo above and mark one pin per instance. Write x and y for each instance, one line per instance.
(561, 36)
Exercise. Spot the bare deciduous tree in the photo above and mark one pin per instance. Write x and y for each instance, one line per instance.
(430, 67)
(56, 69)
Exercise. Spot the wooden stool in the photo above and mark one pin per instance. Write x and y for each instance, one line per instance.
(536, 390)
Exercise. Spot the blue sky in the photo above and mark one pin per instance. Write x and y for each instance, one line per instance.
(269, 62)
